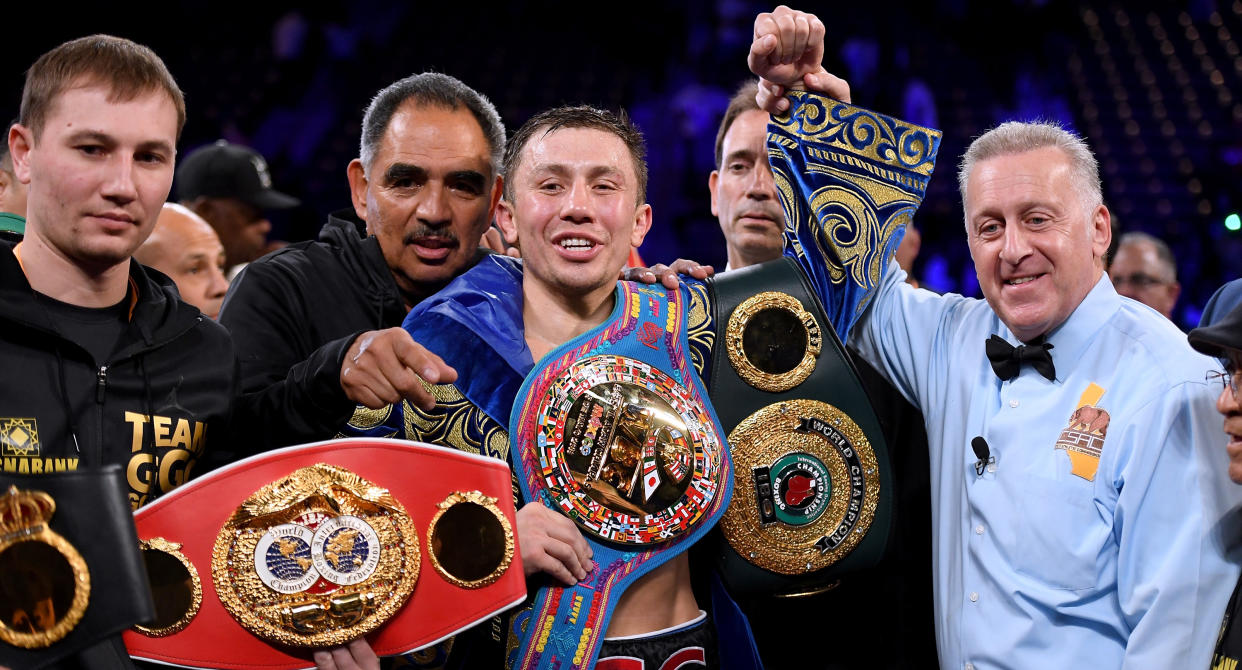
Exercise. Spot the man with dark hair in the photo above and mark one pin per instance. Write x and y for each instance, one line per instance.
(230, 186)
(12, 194)
(742, 189)
(1144, 269)
(315, 323)
(113, 368)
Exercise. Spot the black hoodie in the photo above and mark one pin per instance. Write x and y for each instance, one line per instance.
(155, 406)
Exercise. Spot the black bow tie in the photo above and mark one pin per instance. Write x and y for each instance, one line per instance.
(1007, 359)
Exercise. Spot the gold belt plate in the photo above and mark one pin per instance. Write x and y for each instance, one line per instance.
(44, 582)
(806, 486)
(773, 342)
(316, 559)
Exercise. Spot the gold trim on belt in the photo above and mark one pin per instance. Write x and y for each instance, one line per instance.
(805, 488)
(772, 341)
(44, 582)
(316, 559)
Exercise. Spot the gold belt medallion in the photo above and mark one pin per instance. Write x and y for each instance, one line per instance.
(805, 487)
(44, 582)
(316, 559)
(773, 342)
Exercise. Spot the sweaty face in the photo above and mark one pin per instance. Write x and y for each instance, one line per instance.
(98, 173)
(428, 195)
(744, 195)
(1035, 244)
(1137, 272)
(575, 212)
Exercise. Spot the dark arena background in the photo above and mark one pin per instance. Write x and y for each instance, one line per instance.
(1154, 86)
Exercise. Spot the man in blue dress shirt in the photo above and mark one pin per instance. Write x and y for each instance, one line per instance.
(1086, 526)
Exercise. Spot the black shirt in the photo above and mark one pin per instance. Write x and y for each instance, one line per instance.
(98, 330)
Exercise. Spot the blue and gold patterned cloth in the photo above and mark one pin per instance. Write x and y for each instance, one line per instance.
(866, 173)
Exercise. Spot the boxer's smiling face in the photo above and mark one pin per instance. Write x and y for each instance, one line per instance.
(575, 211)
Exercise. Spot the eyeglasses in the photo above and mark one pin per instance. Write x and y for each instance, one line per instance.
(1228, 378)
(1138, 280)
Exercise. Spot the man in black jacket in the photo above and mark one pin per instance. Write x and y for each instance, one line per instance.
(316, 324)
(1222, 338)
(103, 362)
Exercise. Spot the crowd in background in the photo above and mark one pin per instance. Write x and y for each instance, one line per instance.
(289, 82)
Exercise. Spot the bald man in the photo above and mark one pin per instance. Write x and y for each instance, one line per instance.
(12, 195)
(186, 248)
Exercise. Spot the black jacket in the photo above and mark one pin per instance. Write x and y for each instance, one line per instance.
(293, 314)
(159, 402)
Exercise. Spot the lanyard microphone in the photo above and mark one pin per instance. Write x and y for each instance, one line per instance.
(983, 453)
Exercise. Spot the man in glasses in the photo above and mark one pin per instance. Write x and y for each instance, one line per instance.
(1223, 340)
(1144, 269)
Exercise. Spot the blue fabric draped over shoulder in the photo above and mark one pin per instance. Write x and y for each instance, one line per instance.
(475, 325)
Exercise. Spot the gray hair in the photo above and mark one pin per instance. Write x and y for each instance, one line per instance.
(1163, 253)
(430, 88)
(1015, 137)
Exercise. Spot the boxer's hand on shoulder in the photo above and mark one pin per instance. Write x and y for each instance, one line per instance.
(383, 367)
(667, 274)
(551, 543)
(356, 655)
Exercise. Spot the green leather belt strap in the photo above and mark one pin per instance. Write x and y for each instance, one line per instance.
(807, 520)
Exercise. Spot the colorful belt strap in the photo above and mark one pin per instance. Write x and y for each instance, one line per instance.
(615, 431)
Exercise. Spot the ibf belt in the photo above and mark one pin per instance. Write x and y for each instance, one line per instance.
(259, 563)
(614, 431)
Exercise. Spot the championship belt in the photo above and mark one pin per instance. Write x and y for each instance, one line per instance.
(70, 573)
(614, 430)
(259, 563)
(812, 479)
